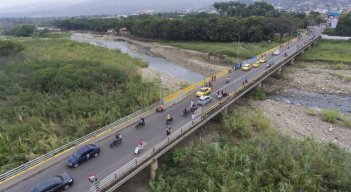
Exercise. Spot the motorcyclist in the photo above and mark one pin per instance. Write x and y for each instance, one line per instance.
(185, 110)
(118, 136)
(142, 121)
(192, 103)
(141, 143)
(228, 79)
(169, 117)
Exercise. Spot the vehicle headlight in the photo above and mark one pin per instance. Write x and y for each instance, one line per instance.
(70, 181)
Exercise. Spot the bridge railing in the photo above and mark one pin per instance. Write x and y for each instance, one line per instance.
(86, 138)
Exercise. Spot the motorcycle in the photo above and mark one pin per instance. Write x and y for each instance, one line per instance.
(168, 121)
(138, 149)
(185, 112)
(140, 124)
(160, 108)
(116, 142)
(193, 108)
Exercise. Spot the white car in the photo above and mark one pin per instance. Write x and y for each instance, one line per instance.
(203, 100)
(276, 52)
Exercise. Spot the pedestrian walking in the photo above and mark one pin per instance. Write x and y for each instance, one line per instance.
(193, 118)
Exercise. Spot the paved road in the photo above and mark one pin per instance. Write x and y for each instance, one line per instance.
(154, 131)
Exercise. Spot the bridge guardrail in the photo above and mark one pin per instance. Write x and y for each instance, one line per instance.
(178, 133)
(45, 157)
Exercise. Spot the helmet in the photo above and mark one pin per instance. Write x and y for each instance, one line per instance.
(168, 126)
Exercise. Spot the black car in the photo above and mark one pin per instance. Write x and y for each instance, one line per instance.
(83, 154)
(54, 184)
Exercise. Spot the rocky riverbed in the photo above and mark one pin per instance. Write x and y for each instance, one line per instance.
(298, 89)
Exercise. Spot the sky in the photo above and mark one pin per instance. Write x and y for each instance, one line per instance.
(11, 3)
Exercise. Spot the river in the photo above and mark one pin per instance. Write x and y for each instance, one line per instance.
(156, 63)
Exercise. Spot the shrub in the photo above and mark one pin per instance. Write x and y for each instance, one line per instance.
(260, 122)
(268, 162)
(8, 47)
(258, 94)
(330, 115)
(237, 123)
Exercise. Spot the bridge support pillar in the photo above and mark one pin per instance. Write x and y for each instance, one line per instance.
(153, 168)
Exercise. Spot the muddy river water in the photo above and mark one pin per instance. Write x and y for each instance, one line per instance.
(156, 63)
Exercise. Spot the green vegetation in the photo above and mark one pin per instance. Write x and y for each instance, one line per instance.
(256, 22)
(246, 50)
(341, 76)
(262, 160)
(8, 47)
(344, 23)
(58, 90)
(339, 66)
(25, 30)
(330, 115)
(329, 51)
(258, 94)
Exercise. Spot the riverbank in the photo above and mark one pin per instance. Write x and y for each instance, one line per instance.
(193, 62)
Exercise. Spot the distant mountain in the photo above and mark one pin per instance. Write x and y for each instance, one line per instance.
(108, 7)
(102, 7)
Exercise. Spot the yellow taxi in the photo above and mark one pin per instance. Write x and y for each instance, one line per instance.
(256, 64)
(263, 60)
(203, 91)
(246, 67)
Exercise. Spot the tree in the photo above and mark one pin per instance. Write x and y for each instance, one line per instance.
(284, 25)
(23, 30)
(344, 25)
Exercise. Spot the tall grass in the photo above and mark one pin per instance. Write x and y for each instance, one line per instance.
(329, 51)
(265, 162)
(58, 90)
(330, 115)
(246, 50)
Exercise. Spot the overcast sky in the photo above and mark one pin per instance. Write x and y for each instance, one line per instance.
(11, 3)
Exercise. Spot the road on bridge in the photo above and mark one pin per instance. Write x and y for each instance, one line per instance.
(110, 159)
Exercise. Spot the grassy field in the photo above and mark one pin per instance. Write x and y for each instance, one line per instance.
(246, 50)
(329, 51)
(250, 156)
(56, 90)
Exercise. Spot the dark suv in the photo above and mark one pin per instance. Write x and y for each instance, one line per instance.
(54, 184)
(83, 154)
